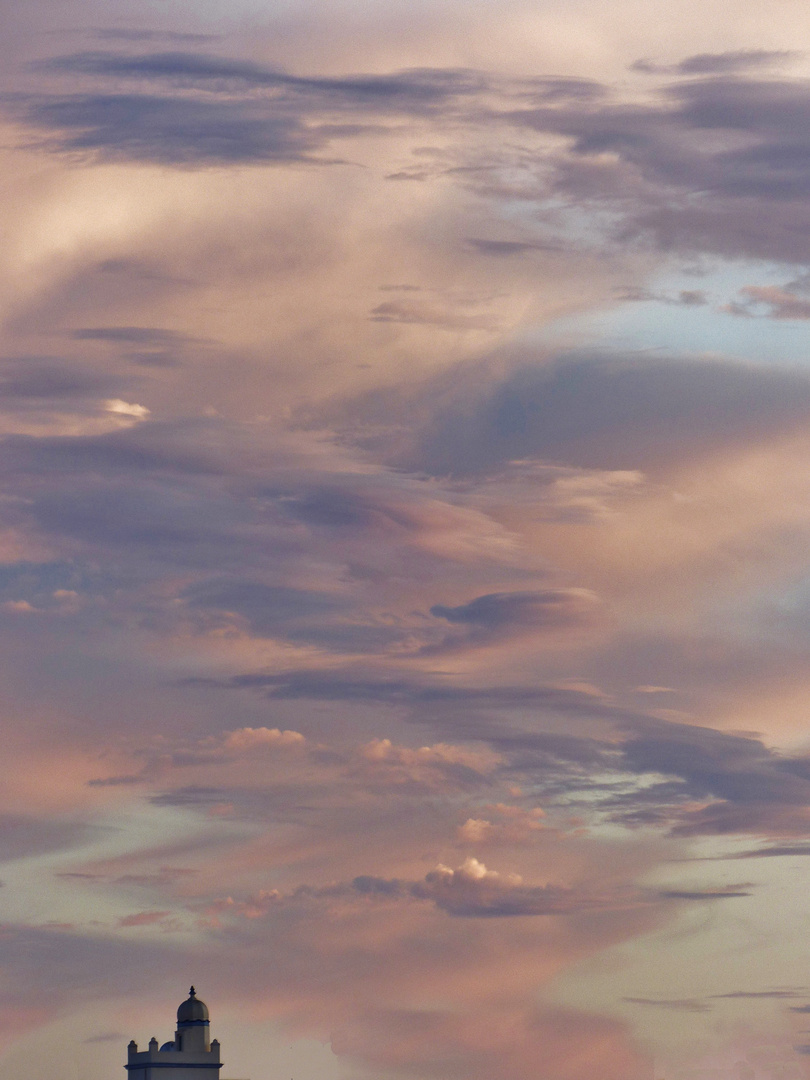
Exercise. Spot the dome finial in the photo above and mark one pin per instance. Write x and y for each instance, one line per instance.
(192, 992)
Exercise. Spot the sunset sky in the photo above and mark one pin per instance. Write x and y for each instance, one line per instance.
(405, 536)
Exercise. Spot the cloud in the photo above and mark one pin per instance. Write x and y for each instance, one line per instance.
(46, 584)
(126, 408)
(250, 739)
(219, 126)
(689, 298)
(642, 771)
(770, 166)
(773, 851)
(724, 63)
(333, 505)
(469, 891)
(358, 685)
(22, 835)
(136, 489)
(732, 61)
(389, 768)
(415, 89)
(144, 918)
(498, 616)
(429, 315)
(689, 1005)
(111, 33)
(468, 1045)
(759, 994)
(197, 108)
(123, 780)
(171, 131)
(614, 412)
(191, 796)
(726, 893)
(35, 378)
(771, 302)
(513, 825)
(472, 891)
(133, 335)
(385, 752)
(505, 248)
(269, 609)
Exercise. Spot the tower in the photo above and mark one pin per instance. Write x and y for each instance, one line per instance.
(190, 1057)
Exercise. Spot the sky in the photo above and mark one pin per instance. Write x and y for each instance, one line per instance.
(405, 536)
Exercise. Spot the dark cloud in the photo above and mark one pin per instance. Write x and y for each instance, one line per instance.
(289, 121)
(724, 63)
(752, 788)
(41, 378)
(42, 584)
(711, 762)
(686, 297)
(336, 507)
(564, 89)
(498, 616)
(172, 131)
(496, 610)
(760, 994)
(427, 314)
(607, 411)
(78, 294)
(728, 195)
(112, 33)
(500, 248)
(414, 90)
(139, 491)
(269, 609)
(367, 885)
(663, 145)
(166, 451)
(249, 520)
(690, 1005)
(304, 615)
(22, 836)
(731, 892)
(116, 781)
(398, 689)
(81, 968)
(133, 335)
(145, 516)
(191, 796)
(734, 817)
(773, 851)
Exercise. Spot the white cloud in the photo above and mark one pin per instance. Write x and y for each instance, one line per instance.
(126, 408)
(248, 738)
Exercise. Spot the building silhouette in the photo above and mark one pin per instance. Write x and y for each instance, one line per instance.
(192, 1055)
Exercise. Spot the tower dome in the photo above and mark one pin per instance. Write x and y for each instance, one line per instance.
(192, 1011)
(191, 1050)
